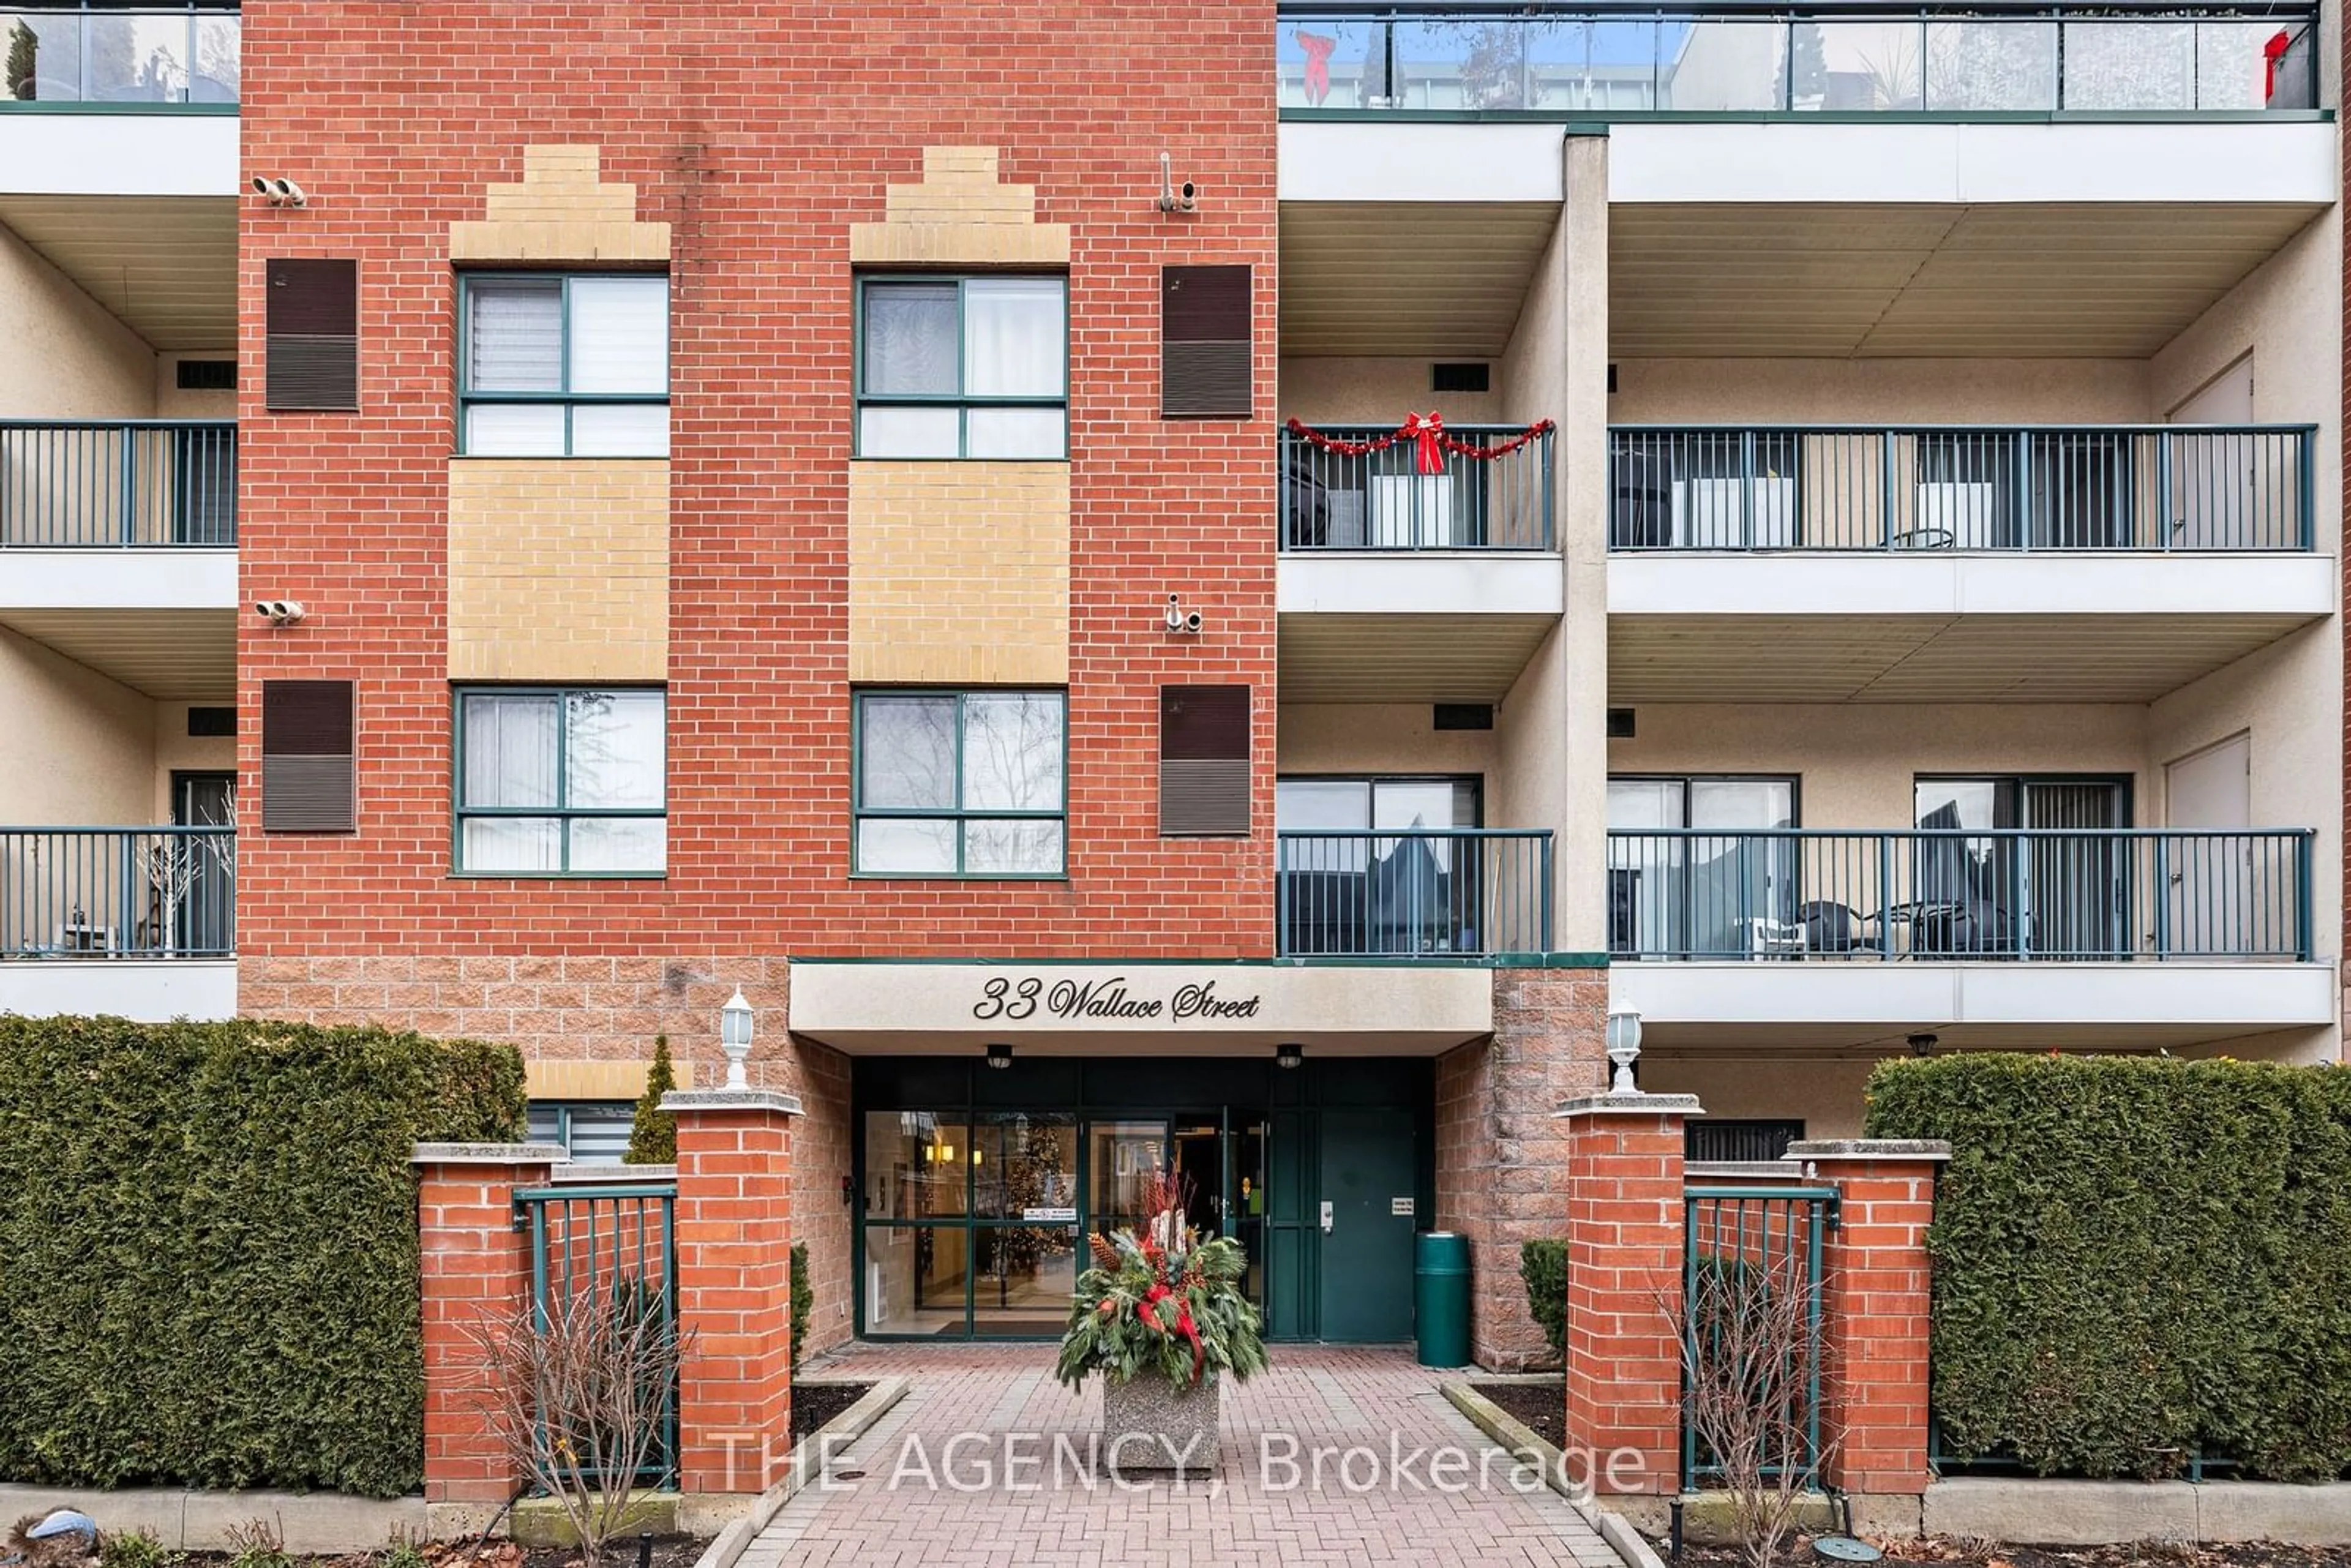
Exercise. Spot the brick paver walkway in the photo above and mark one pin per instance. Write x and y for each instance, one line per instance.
(1005, 1496)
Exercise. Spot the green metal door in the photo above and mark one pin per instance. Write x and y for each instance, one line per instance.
(1366, 1223)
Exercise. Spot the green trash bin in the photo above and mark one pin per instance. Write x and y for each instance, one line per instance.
(1440, 1297)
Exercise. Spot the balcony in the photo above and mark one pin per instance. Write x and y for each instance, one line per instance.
(1417, 893)
(182, 59)
(1398, 585)
(137, 922)
(1811, 563)
(1606, 60)
(117, 549)
(1837, 939)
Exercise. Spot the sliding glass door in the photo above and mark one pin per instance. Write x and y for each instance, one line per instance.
(2064, 895)
(1724, 889)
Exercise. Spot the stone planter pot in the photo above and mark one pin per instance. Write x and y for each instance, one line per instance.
(1150, 1426)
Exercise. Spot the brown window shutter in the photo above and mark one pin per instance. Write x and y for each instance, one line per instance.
(313, 326)
(1204, 762)
(308, 765)
(1204, 342)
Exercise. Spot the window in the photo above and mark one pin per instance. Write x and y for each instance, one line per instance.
(973, 367)
(960, 784)
(595, 1132)
(560, 782)
(565, 366)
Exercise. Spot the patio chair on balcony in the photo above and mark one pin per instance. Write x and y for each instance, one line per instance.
(1830, 927)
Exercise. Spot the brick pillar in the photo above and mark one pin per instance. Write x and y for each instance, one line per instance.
(1876, 1311)
(734, 1286)
(1499, 1146)
(474, 1265)
(1624, 1229)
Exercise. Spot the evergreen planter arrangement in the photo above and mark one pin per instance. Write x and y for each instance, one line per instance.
(1162, 1317)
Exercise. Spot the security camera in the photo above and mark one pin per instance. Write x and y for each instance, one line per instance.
(261, 187)
(1179, 618)
(1187, 197)
(278, 611)
(280, 192)
(1174, 198)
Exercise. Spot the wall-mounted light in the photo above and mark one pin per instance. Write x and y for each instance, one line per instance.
(1923, 1044)
(999, 1055)
(1289, 1054)
(1623, 1049)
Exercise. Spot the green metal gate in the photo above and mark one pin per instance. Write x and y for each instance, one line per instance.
(1752, 1318)
(617, 1240)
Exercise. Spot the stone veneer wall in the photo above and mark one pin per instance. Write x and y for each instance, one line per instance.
(609, 1009)
(1501, 1152)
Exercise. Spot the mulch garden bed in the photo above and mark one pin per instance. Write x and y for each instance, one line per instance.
(814, 1403)
(1985, 1555)
(1542, 1407)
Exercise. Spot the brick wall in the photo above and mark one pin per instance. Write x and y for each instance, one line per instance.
(760, 133)
(1500, 1149)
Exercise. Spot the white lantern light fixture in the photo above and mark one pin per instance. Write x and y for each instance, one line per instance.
(734, 1038)
(1623, 1049)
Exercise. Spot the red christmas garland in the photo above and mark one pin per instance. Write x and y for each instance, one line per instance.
(1427, 432)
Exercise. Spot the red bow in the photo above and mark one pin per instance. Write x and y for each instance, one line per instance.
(1318, 47)
(1184, 1324)
(2271, 53)
(1425, 430)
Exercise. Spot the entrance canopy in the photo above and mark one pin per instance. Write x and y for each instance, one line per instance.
(917, 1008)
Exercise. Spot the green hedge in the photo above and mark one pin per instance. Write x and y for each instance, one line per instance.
(2136, 1257)
(1543, 1266)
(208, 1260)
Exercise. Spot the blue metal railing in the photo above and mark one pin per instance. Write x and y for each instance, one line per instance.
(75, 484)
(120, 893)
(1752, 1322)
(615, 1245)
(1600, 58)
(102, 56)
(1931, 895)
(1414, 893)
(1961, 487)
(1381, 501)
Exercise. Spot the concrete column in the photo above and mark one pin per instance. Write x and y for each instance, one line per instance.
(474, 1266)
(734, 1241)
(1877, 1309)
(1624, 1240)
(1581, 850)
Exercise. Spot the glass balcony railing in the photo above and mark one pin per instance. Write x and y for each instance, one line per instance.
(118, 892)
(1742, 57)
(1941, 895)
(1914, 488)
(1421, 893)
(1336, 498)
(94, 484)
(123, 60)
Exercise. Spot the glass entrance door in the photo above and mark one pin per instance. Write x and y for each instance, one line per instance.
(1120, 1159)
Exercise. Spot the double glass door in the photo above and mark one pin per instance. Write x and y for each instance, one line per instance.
(974, 1223)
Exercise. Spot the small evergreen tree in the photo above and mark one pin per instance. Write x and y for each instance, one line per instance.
(803, 1305)
(652, 1139)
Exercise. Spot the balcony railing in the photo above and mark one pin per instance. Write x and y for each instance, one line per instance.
(1887, 487)
(118, 892)
(124, 60)
(130, 482)
(1607, 57)
(1380, 500)
(1446, 892)
(1948, 895)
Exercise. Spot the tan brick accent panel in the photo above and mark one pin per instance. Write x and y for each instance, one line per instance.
(959, 572)
(960, 216)
(559, 569)
(583, 1079)
(561, 211)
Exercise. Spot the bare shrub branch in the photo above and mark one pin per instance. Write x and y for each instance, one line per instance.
(575, 1396)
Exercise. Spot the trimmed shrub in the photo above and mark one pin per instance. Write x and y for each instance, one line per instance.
(803, 1304)
(1543, 1266)
(208, 1255)
(653, 1135)
(2134, 1258)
